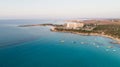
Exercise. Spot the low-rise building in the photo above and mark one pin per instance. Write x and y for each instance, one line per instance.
(73, 25)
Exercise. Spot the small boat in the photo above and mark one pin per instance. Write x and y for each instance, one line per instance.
(110, 46)
(94, 44)
(82, 42)
(114, 50)
(97, 46)
(107, 49)
(73, 42)
(62, 41)
(95, 39)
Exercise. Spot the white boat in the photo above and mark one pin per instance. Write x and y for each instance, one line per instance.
(114, 50)
(82, 42)
(110, 46)
(73, 42)
(107, 49)
(94, 44)
(62, 41)
(97, 46)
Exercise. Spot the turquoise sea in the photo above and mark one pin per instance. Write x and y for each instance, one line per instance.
(39, 47)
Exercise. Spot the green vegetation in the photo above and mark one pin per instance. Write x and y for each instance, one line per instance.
(112, 30)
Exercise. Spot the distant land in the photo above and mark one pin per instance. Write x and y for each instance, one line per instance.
(97, 27)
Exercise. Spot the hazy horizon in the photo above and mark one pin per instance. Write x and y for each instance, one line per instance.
(35, 9)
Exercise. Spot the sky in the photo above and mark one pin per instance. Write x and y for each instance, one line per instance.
(15, 9)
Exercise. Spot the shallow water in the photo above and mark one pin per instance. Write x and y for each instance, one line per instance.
(39, 47)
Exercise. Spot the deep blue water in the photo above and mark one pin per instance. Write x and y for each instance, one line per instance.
(39, 47)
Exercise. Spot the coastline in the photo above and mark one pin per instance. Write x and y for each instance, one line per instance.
(117, 40)
(92, 34)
